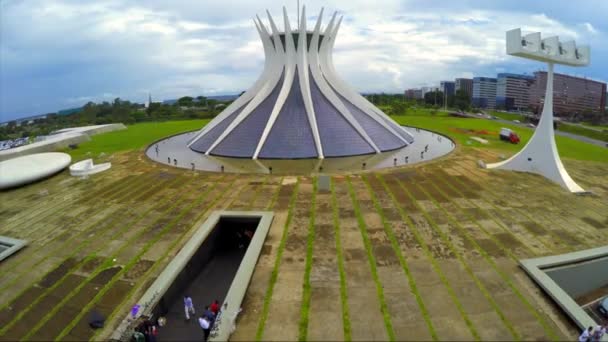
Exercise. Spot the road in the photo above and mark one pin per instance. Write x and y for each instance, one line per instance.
(558, 132)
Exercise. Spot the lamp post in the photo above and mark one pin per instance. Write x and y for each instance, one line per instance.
(540, 153)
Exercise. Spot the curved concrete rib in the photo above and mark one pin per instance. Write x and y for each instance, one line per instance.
(290, 67)
(325, 88)
(252, 91)
(270, 81)
(305, 82)
(339, 86)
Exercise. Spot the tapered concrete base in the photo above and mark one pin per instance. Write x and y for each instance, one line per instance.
(540, 153)
(536, 158)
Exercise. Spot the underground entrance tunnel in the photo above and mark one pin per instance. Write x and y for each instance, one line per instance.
(207, 276)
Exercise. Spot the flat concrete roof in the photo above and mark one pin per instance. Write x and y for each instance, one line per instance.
(13, 246)
(536, 270)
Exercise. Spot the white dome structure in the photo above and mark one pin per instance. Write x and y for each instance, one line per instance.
(299, 107)
(30, 168)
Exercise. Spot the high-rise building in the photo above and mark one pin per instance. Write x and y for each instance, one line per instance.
(413, 94)
(465, 84)
(571, 95)
(484, 92)
(513, 91)
(447, 87)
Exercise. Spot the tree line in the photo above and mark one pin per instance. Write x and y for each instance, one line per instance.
(114, 112)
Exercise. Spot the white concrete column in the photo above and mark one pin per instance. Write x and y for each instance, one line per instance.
(540, 154)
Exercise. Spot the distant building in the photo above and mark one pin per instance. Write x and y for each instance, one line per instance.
(513, 91)
(571, 95)
(447, 87)
(413, 94)
(465, 84)
(484, 92)
(428, 90)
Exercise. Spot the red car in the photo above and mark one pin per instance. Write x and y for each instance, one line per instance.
(508, 135)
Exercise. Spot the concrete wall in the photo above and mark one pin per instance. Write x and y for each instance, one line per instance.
(50, 145)
(581, 278)
(163, 285)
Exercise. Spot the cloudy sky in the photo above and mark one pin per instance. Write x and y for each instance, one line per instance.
(62, 54)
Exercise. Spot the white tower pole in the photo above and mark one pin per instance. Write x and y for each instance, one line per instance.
(540, 153)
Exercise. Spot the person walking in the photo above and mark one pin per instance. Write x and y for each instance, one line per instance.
(210, 315)
(599, 333)
(188, 307)
(215, 307)
(205, 325)
(586, 335)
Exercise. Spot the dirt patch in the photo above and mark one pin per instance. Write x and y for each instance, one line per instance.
(20, 303)
(266, 249)
(385, 256)
(355, 254)
(139, 269)
(490, 247)
(58, 273)
(113, 297)
(92, 264)
(472, 131)
(593, 222)
(106, 275)
(534, 227)
(508, 240)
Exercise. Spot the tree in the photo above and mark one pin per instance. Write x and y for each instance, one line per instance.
(462, 100)
(185, 101)
(434, 98)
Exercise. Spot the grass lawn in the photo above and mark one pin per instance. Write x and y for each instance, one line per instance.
(591, 133)
(462, 130)
(140, 135)
(507, 116)
(134, 137)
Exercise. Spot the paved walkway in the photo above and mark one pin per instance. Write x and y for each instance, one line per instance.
(174, 152)
(212, 283)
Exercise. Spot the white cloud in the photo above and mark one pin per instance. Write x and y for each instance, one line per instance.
(590, 28)
(121, 47)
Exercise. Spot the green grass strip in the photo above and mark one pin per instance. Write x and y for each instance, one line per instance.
(277, 263)
(306, 288)
(340, 257)
(507, 280)
(257, 193)
(397, 249)
(429, 255)
(124, 269)
(275, 196)
(72, 254)
(107, 263)
(372, 261)
(82, 232)
(460, 258)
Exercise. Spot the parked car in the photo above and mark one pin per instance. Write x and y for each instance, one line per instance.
(507, 134)
(516, 121)
(603, 307)
(531, 125)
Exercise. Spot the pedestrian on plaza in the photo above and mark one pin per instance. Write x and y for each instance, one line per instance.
(205, 325)
(586, 335)
(215, 307)
(188, 307)
(209, 315)
(598, 333)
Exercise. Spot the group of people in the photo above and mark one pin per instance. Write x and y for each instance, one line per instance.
(593, 335)
(207, 318)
